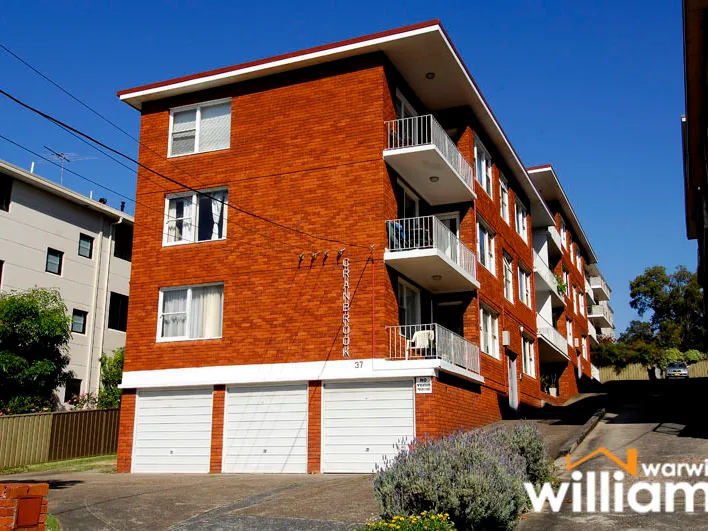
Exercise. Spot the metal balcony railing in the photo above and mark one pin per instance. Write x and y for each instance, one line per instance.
(425, 130)
(432, 341)
(428, 232)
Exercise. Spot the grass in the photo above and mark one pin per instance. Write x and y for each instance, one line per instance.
(102, 463)
(52, 524)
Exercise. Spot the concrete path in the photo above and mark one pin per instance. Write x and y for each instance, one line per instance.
(666, 423)
(98, 501)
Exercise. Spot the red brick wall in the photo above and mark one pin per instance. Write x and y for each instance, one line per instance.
(125, 432)
(217, 429)
(23, 506)
(455, 404)
(314, 427)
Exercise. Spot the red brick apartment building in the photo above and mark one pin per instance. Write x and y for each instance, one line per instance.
(347, 262)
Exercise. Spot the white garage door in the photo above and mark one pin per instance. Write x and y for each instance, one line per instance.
(173, 430)
(363, 421)
(265, 429)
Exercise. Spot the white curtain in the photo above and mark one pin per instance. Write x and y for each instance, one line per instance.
(174, 313)
(206, 310)
(179, 223)
(217, 212)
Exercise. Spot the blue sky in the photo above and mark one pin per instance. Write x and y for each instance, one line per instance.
(595, 88)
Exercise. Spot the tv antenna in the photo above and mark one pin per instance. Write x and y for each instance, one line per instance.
(64, 158)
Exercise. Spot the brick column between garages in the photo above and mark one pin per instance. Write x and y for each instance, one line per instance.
(314, 427)
(217, 429)
(125, 430)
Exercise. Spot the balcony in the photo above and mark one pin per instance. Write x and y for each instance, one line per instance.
(552, 345)
(555, 246)
(600, 288)
(595, 373)
(546, 281)
(432, 341)
(423, 154)
(601, 316)
(426, 251)
(592, 334)
(589, 290)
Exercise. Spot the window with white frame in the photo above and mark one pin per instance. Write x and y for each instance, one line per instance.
(408, 304)
(508, 278)
(574, 296)
(489, 331)
(572, 252)
(200, 128)
(524, 286)
(580, 262)
(569, 329)
(563, 233)
(191, 312)
(585, 347)
(483, 167)
(527, 352)
(196, 217)
(485, 246)
(504, 197)
(521, 221)
(566, 282)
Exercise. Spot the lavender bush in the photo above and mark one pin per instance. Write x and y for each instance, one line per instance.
(477, 477)
(530, 445)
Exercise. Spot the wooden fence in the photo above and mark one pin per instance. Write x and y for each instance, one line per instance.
(41, 437)
(637, 372)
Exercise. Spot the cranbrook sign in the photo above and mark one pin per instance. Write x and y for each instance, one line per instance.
(346, 300)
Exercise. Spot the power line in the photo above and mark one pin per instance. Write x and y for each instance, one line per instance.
(172, 180)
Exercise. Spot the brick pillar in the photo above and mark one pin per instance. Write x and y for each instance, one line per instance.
(217, 429)
(314, 427)
(23, 506)
(125, 430)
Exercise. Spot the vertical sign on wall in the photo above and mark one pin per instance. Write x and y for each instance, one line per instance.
(346, 299)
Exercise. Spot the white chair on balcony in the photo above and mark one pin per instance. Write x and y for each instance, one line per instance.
(421, 344)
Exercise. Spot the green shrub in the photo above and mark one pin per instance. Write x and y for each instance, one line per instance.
(531, 446)
(421, 522)
(476, 477)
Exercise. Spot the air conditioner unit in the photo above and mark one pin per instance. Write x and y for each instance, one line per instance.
(506, 338)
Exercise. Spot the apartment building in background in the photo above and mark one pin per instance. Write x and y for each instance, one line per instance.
(571, 294)
(347, 262)
(53, 237)
(694, 129)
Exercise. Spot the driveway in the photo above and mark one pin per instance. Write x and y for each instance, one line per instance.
(99, 501)
(666, 422)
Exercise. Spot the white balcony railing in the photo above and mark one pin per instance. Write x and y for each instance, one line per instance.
(428, 232)
(599, 310)
(541, 267)
(555, 238)
(425, 130)
(432, 341)
(599, 283)
(595, 372)
(548, 332)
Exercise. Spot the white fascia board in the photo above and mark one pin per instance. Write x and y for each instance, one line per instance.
(351, 369)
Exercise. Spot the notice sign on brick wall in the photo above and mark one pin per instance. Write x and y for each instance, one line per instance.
(423, 385)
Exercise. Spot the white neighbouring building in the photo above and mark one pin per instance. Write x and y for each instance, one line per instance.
(53, 237)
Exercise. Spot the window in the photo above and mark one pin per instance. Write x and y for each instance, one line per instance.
(574, 296)
(72, 389)
(407, 202)
(527, 349)
(483, 167)
(569, 329)
(196, 217)
(118, 312)
(508, 278)
(5, 192)
(403, 108)
(54, 261)
(563, 233)
(521, 227)
(572, 252)
(85, 246)
(485, 246)
(490, 332)
(566, 282)
(585, 347)
(78, 321)
(524, 286)
(200, 128)
(580, 263)
(408, 304)
(191, 312)
(504, 197)
(123, 241)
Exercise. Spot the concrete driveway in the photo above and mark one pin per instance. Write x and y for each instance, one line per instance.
(99, 501)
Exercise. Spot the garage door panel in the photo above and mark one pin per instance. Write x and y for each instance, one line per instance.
(173, 430)
(266, 429)
(364, 422)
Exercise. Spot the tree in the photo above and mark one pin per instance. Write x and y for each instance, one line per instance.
(34, 333)
(111, 376)
(675, 302)
(637, 331)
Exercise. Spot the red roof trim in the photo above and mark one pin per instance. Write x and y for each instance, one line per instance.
(290, 55)
(541, 167)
